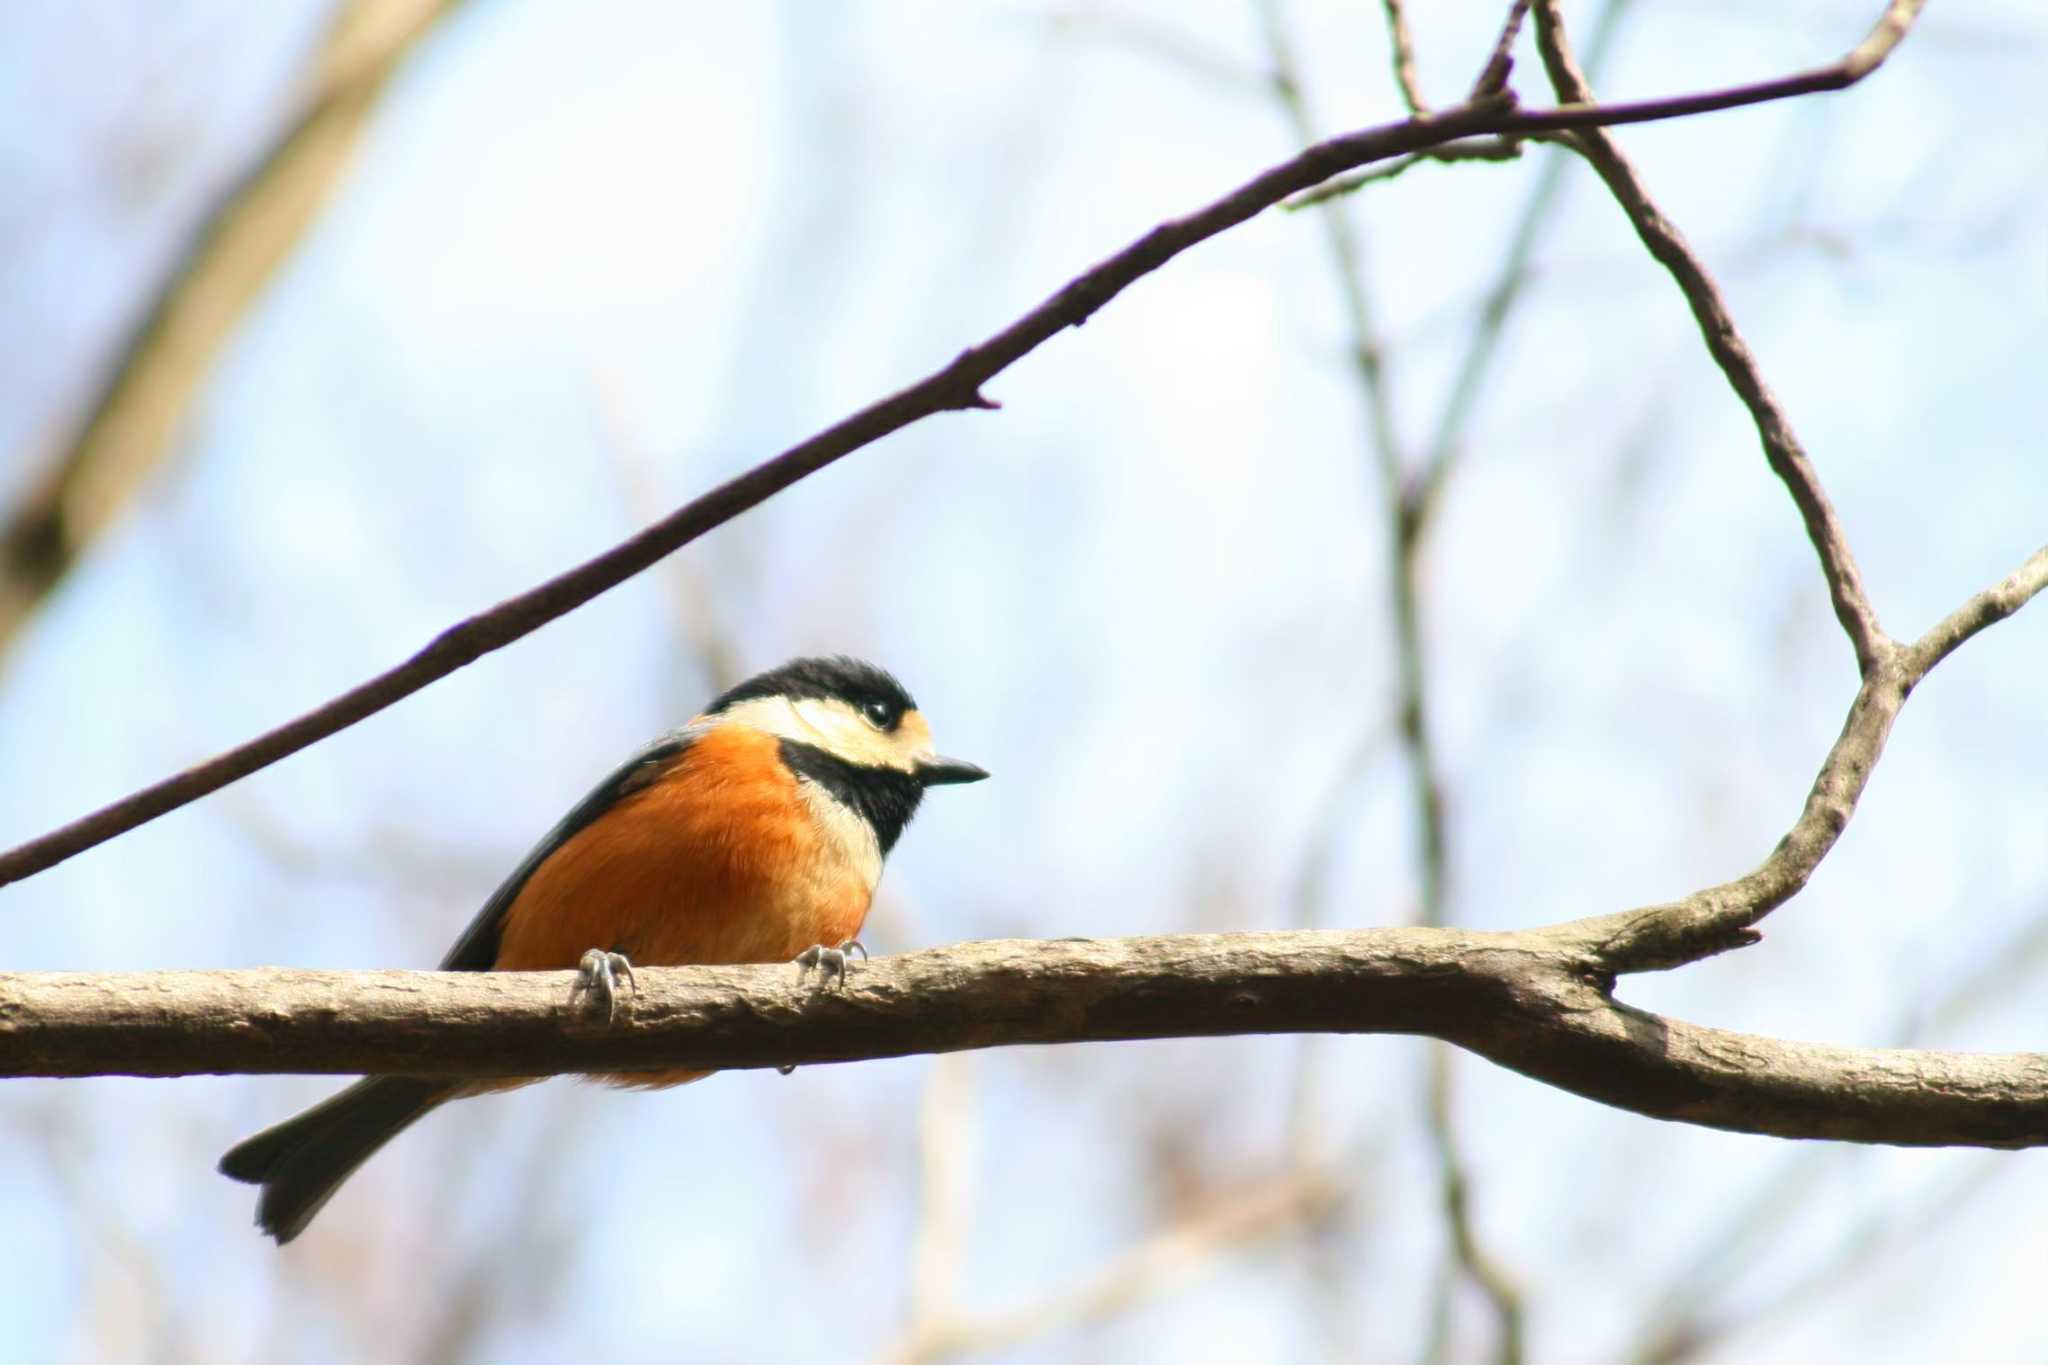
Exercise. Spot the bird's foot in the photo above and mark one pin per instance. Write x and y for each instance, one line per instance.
(598, 977)
(829, 963)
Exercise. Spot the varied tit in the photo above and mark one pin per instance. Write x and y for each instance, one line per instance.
(755, 833)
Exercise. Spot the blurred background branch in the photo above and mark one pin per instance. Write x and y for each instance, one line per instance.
(131, 426)
(1405, 527)
(1175, 1253)
(583, 265)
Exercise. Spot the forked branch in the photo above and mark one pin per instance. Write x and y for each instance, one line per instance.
(1530, 1001)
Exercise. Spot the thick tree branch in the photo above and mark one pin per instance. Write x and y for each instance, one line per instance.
(1539, 1001)
(954, 387)
(1527, 1000)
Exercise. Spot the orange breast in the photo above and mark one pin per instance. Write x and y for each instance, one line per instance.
(715, 861)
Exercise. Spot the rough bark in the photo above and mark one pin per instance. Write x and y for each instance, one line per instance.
(1532, 1001)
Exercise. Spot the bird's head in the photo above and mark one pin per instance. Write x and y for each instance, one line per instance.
(853, 729)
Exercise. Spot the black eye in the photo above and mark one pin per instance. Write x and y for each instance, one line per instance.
(881, 714)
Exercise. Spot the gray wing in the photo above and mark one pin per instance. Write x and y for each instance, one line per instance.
(477, 949)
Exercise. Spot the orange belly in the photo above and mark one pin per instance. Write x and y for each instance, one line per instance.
(715, 861)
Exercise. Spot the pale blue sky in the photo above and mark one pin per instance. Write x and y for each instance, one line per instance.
(594, 258)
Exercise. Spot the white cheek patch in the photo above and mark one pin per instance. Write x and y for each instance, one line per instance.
(829, 725)
(771, 715)
(839, 731)
(826, 723)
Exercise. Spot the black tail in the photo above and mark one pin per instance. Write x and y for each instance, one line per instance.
(301, 1162)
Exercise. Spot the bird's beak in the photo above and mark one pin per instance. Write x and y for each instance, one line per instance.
(942, 772)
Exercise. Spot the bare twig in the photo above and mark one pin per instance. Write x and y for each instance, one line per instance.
(1494, 75)
(1722, 917)
(130, 424)
(1159, 1261)
(1684, 1337)
(1501, 298)
(1402, 44)
(1367, 354)
(1469, 1256)
(953, 387)
(1861, 60)
(1774, 426)
(1478, 149)
(1987, 608)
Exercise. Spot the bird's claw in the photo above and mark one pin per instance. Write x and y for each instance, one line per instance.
(598, 976)
(829, 963)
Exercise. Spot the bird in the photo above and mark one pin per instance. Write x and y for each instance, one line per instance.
(753, 833)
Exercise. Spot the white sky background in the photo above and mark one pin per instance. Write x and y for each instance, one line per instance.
(593, 259)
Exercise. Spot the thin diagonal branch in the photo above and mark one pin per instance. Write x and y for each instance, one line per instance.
(954, 387)
(1787, 457)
